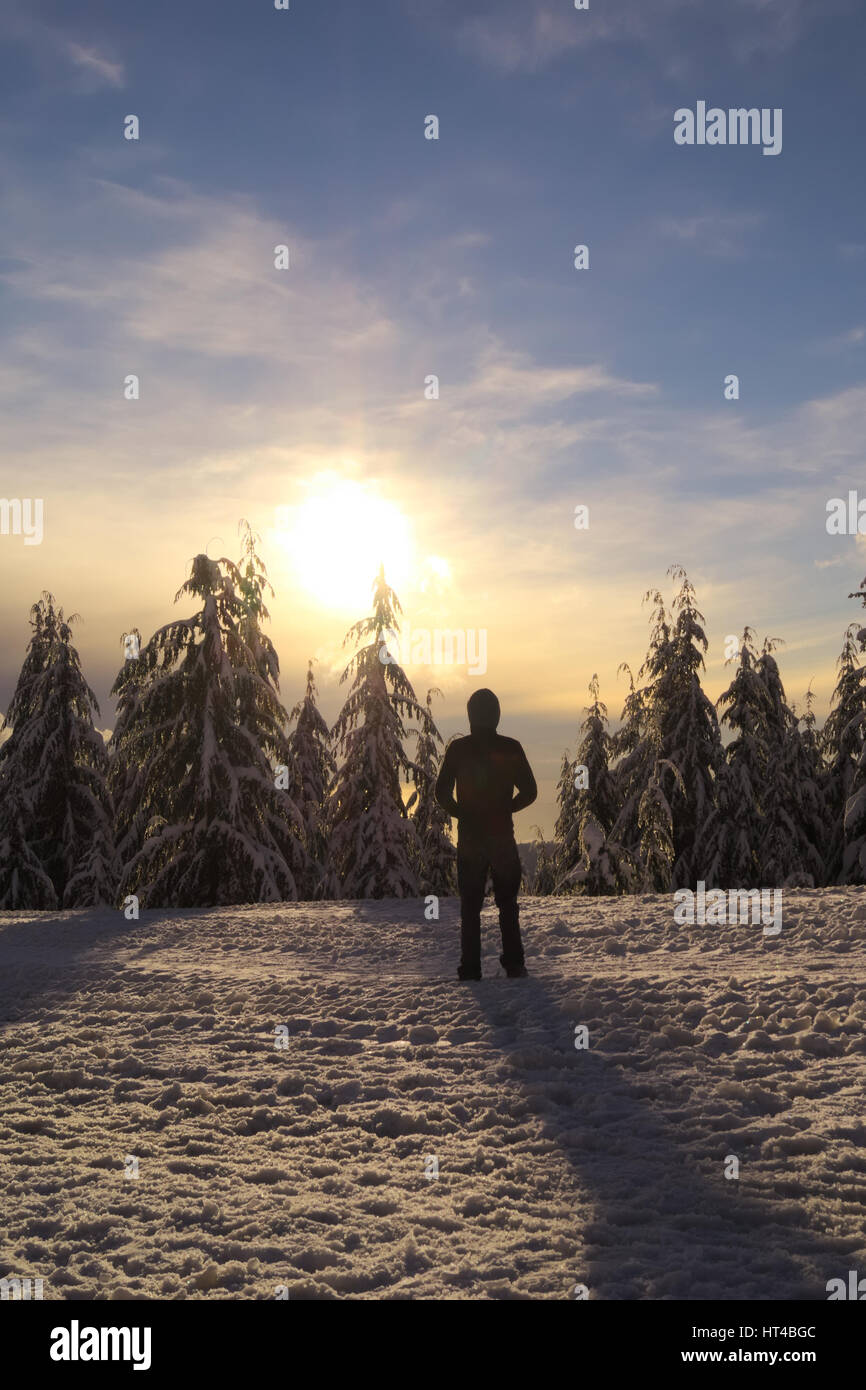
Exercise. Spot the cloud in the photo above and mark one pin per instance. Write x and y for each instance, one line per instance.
(210, 288)
(254, 380)
(96, 65)
(55, 49)
(509, 386)
(853, 337)
(521, 44)
(715, 233)
(511, 36)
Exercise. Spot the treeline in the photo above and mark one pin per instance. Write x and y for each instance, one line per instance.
(210, 792)
(663, 802)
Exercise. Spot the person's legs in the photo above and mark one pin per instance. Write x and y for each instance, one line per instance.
(506, 868)
(471, 878)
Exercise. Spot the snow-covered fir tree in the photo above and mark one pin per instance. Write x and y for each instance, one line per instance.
(252, 586)
(656, 824)
(786, 855)
(437, 854)
(727, 849)
(567, 828)
(634, 745)
(803, 771)
(842, 740)
(688, 729)
(587, 797)
(853, 868)
(310, 772)
(209, 733)
(259, 710)
(126, 772)
(848, 746)
(55, 807)
(669, 747)
(23, 881)
(541, 882)
(373, 841)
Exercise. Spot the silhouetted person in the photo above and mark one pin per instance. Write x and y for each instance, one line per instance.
(486, 768)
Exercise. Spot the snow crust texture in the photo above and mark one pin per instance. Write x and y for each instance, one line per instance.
(288, 1080)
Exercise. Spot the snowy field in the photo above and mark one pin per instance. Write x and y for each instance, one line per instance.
(304, 1166)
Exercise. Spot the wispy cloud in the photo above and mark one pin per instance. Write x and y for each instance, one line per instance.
(255, 379)
(510, 386)
(511, 36)
(95, 64)
(88, 65)
(523, 43)
(210, 287)
(852, 337)
(714, 233)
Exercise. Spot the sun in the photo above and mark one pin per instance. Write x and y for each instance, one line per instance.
(336, 539)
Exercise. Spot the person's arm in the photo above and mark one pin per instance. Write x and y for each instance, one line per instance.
(444, 789)
(524, 781)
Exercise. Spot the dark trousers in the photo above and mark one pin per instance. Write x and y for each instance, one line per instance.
(474, 858)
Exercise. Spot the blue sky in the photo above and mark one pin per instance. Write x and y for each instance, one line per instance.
(262, 388)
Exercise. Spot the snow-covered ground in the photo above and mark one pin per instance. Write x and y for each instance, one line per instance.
(307, 1166)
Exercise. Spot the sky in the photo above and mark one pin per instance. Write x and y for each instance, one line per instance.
(299, 398)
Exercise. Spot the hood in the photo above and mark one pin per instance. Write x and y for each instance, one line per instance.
(483, 711)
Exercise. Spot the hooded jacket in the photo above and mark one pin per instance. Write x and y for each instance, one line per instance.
(485, 768)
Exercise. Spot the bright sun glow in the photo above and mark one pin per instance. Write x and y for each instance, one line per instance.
(338, 537)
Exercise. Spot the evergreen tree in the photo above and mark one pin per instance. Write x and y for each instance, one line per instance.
(56, 816)
(728, 842)
(786, 854)
(689, 739)
(373, 842)
(23, 881)
(633, 758)
(594, 754)
(260, 712)
(587, 795)
(842, 743)
(670, 744)
(853, 868)
(542, 881)
(656, 823)
(765, 830)
(849, 748)
(126, 772)
(208, 733)
(437, 854)
(566, 855)
(310, 770)
(804, 773)
(252, 586)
